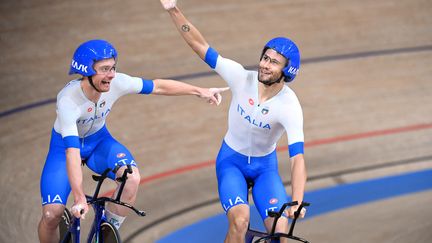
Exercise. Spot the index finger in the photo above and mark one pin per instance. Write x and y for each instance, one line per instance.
(223, 89)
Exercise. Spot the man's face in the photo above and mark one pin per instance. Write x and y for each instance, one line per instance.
(270, 66)
(105, 72)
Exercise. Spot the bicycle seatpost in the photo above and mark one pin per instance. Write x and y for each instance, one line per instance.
(122, 180)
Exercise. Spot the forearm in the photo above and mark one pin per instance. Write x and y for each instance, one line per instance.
(298, 177)
(189, 33)
(172, 87)
(73, 165)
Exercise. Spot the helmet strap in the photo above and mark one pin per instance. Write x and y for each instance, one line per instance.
(92, 84)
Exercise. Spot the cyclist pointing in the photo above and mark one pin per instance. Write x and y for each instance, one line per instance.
(262, 109)
(80, 133)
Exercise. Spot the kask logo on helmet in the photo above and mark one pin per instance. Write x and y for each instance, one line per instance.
(293, 70)
(78, 66)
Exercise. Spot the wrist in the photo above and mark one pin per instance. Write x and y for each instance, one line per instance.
(79, 198)
(200, 92)
(172, 9)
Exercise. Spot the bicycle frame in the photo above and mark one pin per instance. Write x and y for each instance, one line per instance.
(74, 229)
(98, 205)
(98, 219)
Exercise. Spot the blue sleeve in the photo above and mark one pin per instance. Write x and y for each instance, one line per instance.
(296, 148)
(147, 87)
(71, 142)
(211, 57)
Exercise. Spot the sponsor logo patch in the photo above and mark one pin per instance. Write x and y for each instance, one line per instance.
(121, 155)
(251, 101)
(273, 201)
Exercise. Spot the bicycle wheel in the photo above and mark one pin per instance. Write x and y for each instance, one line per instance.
(65, 235)
(109, 233)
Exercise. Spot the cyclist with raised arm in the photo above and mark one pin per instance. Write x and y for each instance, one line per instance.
(262, 108)
(80, 133)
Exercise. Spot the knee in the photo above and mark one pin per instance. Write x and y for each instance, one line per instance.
(132, 183)
(51, 217)
(239, 225)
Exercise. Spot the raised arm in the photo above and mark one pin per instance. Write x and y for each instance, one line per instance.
(189, 33)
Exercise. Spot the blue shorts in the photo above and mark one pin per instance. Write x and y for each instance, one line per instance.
(100, 150)
(234, 171)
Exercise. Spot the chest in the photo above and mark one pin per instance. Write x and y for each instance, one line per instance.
(247, 112)
(94, 112)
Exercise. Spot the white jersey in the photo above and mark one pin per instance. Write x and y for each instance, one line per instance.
(254, 128)
(78, 116)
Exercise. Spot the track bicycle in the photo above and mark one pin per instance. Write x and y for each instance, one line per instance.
(255, 236)
(101, 230)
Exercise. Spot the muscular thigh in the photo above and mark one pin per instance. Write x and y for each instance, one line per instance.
(269, 193)
(54, 183)
(109, 153)
(232, 183)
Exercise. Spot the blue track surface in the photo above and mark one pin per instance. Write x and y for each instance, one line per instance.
(322, 201)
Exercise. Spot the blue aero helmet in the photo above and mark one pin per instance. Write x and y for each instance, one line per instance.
(88, 53)
(290, 51)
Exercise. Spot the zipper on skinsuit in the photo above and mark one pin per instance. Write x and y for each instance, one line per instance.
(251, 126)
(91, 126)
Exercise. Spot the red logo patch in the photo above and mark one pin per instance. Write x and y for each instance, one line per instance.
(89, 109)
(251, 102)
(273, 201)
(121, 155)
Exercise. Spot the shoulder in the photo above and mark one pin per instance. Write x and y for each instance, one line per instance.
(70, 91)
(231, 71)
(70, 87)
(289, 95)
(289, 101)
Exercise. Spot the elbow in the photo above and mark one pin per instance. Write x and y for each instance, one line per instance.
(200, 49)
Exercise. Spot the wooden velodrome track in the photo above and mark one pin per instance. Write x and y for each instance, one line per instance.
(364, 86)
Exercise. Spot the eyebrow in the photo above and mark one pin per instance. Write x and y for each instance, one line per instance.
(272, 59)
(104, 66)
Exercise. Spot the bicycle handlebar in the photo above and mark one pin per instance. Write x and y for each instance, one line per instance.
(108, 199)
(95, 199)
(277, 215)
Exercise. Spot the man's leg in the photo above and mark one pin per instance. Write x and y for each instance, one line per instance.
(270, 195)
(281, 226)
(111, 154)
(116, 213)
(238, 217)
(55, 189)
(48, 224)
